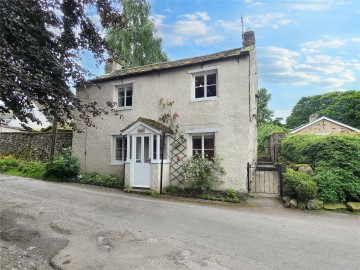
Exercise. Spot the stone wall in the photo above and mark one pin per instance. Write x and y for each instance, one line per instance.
(275, 144)
(33, 146)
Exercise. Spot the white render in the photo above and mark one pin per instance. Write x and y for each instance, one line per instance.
(231, 116)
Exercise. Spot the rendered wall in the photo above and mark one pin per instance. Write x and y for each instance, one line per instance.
(231, 113)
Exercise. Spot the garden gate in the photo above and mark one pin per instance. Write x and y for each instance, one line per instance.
(265, 178)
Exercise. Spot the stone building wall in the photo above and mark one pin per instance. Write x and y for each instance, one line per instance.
(325, 127)
(33, 146)
(275, 143)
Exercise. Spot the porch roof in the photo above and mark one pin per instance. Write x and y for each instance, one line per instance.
(152, 123)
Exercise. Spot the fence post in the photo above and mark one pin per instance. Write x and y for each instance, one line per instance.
(248, 177)
(280, 171)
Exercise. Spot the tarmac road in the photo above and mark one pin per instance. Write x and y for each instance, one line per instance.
(48, 225)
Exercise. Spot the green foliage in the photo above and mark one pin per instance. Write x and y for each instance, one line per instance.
(138, 43)
(264, 131)
(336, 159)
(100, 180)
(40, 44)
(33, 169)
(171, 189)
(202, 173)
(8, 162)
(299, 185)
(264, 114)
(341, 106)
(64, 167)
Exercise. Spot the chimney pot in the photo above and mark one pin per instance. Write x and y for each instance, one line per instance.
(248, 39)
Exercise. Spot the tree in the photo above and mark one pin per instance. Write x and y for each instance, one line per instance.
(264, 114)
(40, 42)
(138, 43)
(340, 106)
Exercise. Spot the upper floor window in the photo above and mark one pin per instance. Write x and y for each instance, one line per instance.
(125, 96)
(206, 85)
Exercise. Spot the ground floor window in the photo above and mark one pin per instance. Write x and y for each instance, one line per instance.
(120, 149)
(203, 145)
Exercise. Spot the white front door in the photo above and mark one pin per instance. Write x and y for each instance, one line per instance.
(141, 161)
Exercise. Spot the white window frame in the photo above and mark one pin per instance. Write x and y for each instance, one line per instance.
(202, 135)
(114, 161)
(121, 84)
(157, 159)
(205, 73)
(125, 90)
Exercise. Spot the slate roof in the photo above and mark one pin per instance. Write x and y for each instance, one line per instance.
(152, 123)
(119, 74)
(320, 119)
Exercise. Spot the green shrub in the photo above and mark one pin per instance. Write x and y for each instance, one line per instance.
(336, 159)
(264, 131)
(64, 167)
(100, 180)
(8, 162)
(202, 173)
(33, 169)
(171, 189)
(299, 185)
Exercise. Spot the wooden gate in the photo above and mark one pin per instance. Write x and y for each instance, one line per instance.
(265, 179)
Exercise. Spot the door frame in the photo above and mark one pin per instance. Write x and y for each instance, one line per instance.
(142, 157)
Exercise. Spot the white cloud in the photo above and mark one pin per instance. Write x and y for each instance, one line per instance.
(355, 39)
(282, 66)
(200, 15)
(273, 20)
(310, 6)
(191, 28)
(328, 43)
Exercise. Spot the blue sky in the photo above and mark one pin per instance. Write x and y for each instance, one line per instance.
(304, 47)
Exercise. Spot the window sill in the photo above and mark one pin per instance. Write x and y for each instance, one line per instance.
(166, 161)
(204, 99)
(117, 163)
(122, 108)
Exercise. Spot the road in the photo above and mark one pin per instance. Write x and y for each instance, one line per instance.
(48, 225)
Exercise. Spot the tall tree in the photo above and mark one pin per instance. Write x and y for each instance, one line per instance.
(340, 106)
(264, 114)
(138, 43)
(39, 45)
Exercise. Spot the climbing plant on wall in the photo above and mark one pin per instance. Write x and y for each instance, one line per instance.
(178, 142)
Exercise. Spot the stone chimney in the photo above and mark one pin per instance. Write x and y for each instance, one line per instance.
(248, 39)
(313, 117)
(111, 66)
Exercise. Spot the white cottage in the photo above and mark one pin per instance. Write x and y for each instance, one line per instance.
(216, 98)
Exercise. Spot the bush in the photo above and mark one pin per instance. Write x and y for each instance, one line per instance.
(32, 169)
(8, 162)
(64, 167)
(336, 159)
(299, 185)
(100, 180)
(202, 173)
(264, 131)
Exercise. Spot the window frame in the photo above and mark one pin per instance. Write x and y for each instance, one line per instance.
(124, 88)
(123, 148)
(202, 135)
(205, 73)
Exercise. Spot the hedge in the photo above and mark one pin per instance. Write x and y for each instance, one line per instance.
(336, 160)
(299, 185)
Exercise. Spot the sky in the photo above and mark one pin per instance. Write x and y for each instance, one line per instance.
(303, 47)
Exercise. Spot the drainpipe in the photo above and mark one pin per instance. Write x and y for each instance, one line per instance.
(162, 162)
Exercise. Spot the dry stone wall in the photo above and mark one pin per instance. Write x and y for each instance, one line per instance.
(33, 146)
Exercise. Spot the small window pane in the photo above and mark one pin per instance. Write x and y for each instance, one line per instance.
(129, 92)
(118, 142)
(211, 91)
(197, 143)
(199, 92)
(121, 92)
(121, 102)
(211, 79)
(118, 154)
(209, 142)
(138, 150)
(199, 81)
(154, 148)
(146, 149)
(209, 154)
(128, 101)
(165, 148)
